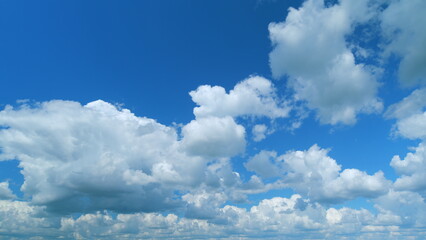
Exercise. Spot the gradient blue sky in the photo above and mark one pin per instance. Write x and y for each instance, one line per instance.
(365, 58)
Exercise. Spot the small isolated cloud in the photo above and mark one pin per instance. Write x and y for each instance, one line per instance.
(259, 132)
(310, 48)
(254, 96)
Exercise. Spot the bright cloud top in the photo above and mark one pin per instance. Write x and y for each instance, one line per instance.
(254, 96)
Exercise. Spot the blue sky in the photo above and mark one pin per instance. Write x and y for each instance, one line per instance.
(212, 119)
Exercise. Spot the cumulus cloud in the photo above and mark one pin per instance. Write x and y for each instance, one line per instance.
(270, 218)
(404, 208)
(254, 96)
(213, 137)
(402, 25)
(5, 192)
(20, 219)
(125, 176)
(315, 175)
(310, 48)
(84, 158)
(411, 169)
(278, 217)
(259, 132)
(410, 115)
(264, 164)
(203, 204)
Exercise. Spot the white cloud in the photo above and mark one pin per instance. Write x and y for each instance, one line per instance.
(203, 204)
(315, 175)
(410, 115)
(412, 127)
(259, 132)
(271, 217)
(402, 25)
(253, 96)
(412, 170)
(275, 218)
(21, 220)
(213, 137)
(310, 48)
(412, 104)
(263, 164)
(82, 158)
(278, 217)
(5, 192)
(404, 208)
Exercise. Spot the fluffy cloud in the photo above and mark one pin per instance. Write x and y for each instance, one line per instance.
(83, 158)
(278, 217)
(5, 192)
(314, 174)
(270, 218)
(264, 164)
(253, 96)
(289, 218)
(402, 26)
(410, 115)
(310, 48)
(19, 219)
(403, 208)
(259, 132)
(410, 123)
(411, 169)
(203, 204)
(213, 137)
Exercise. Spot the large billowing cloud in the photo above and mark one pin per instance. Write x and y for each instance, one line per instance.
(314, 174)
(83, 158)
(78, 158)
(310, 48)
